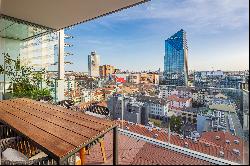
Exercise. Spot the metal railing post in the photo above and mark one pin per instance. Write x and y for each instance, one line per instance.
(115, 146)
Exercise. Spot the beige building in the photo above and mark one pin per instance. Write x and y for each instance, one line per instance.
(106, 70)
(222, 105)
(143, 78)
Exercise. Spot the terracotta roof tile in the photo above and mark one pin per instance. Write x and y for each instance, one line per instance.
(214, 148)
(178, 99)
(138, 152)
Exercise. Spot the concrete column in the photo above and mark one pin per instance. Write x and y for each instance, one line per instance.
(61, 56)
(61, 66)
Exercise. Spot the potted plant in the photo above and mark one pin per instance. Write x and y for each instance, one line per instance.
(26, 82)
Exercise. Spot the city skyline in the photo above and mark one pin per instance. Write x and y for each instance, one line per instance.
(133, 39)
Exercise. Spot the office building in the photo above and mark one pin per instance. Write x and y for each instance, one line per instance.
(93, 64)
(175, 60)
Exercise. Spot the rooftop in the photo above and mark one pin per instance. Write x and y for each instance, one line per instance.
(139, 152)
(151, 99)
(178, 99)
(207, 138)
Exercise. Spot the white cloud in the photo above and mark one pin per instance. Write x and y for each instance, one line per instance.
(212, 15)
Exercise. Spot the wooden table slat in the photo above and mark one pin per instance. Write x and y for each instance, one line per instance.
(74, 113)
(69, 125)
(77, 120)
(57, 131)
(48, 141)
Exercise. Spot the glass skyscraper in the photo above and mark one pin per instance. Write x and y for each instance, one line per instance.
(175, 60)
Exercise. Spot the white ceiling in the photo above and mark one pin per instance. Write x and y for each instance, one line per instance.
(58, 14)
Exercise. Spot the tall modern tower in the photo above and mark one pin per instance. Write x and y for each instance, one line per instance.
(93, 64)
(175, 59)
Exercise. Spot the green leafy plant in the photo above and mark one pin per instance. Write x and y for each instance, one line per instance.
(176, 124)
(26, 82)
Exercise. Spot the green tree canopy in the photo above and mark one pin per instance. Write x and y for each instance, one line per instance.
(176, 124)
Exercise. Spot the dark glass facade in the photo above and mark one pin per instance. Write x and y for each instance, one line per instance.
(175, 60)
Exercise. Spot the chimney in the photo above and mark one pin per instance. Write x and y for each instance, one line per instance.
(186, 145)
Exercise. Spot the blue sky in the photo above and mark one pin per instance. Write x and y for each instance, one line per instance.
(133, 39)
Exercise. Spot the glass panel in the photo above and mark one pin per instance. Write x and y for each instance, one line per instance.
(10, 28)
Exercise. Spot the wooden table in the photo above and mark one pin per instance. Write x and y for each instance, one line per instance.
(57, 131)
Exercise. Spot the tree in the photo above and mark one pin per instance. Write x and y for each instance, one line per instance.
(176, 124)
(26, 82)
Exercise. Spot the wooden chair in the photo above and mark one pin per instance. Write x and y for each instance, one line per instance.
(26, 148)
(86, 150)
(6, 132)
(66, 103)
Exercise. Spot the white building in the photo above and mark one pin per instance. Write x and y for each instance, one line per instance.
(87, 95)
(157, 106)
(93, 64)
(70, 83)
(165, 91)
(178, 103)
(158, 109)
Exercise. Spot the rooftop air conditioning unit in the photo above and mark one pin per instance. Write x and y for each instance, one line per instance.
(217, 137)
(227, 141)
(236, 151)
(207, 144)
(195, 140)
(186, 145)
(236, 141)
(155, 136)
(221, 154)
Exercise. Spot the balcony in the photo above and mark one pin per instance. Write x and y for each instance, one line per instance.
(138, 144)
